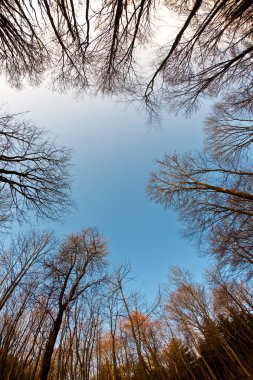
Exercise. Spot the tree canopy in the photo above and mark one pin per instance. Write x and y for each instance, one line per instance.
(98, 45)
(61, 316)
(33, 172)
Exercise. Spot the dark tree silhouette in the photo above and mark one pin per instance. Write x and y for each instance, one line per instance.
(33, 171)
(211, 52)
(229, 128)
(215, 201)
(100, 45)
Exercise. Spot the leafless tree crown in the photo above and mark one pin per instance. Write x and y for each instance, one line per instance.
(33, 171)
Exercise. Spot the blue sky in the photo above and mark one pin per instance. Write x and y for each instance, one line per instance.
(113, 151)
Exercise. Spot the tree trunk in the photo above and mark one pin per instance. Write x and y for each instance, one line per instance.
(46, 361)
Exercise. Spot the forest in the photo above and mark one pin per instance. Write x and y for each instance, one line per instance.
(66, 312)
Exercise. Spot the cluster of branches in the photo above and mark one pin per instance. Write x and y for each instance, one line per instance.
(47, 289)
(211, 54)
(212, 191)
(33, 171)
(86, 44)
(62, 318)
(98, 46)
(214, 199)
(76, 41)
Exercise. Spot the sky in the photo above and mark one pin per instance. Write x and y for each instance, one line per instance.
(113, 152)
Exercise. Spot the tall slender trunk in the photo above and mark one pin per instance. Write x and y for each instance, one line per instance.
(46, 360)
(136, 341)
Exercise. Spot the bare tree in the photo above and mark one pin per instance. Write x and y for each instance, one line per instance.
(63, 320)
(71, 272)
(98, 49)
(71, 38)
(33, 171)
(205, 59)
(20, 260)
(23, 53)
(121, 275)
(190, 307)
(215, 201)
(229, 128)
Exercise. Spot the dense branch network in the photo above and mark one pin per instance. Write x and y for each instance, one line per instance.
(214, 200)
(101, 47)
(99, 44)
(61, 317)
(33, 171)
